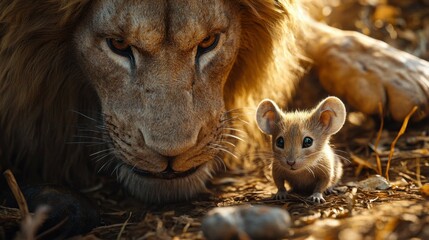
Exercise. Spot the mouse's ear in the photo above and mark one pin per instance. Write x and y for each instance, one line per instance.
(267, 116)
(330, 114)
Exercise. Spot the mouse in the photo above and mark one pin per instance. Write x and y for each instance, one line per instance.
(301, 152)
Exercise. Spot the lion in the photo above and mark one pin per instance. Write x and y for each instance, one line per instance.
(147, 90)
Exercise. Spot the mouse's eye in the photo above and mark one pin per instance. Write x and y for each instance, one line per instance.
(280, 142)
(307, 142)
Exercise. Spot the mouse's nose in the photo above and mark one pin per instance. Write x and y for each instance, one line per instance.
(290, 163)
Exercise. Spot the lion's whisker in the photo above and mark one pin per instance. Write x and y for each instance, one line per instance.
(240, 110)
(101, 151)
(116, 168)
(221, 148)
(104, 132)
(219, 160)
(236, 130)
(226, 142)
(233, 136)
(234, 119)
(89, 143)
(85, 116)
(99, 158)
(105, 164)
(90, 137)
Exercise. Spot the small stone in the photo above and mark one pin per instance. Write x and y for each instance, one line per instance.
(246, 222)
(375, 182)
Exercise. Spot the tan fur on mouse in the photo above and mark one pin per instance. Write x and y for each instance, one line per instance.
(300, 143)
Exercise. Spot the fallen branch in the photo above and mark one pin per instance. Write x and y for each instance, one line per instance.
(17, 193)
(11, 216)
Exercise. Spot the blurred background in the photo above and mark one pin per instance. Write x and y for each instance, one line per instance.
(403, 24)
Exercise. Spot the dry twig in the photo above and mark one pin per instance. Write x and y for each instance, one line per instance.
(377, 141)
(17, 193)
(400, 133)
(123, 227)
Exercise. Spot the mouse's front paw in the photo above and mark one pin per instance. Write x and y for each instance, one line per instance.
(331, 190)
(317, 198)
(280, 195)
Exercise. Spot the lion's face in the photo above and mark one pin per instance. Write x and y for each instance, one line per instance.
(159, 68)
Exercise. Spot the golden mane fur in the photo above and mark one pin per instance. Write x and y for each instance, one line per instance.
(41, 85)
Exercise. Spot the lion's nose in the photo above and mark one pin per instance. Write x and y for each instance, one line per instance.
(171, 151)
(170, 145)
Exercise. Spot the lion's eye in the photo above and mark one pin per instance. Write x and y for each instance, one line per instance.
(307, 142)
(120, 47)
(208, 44)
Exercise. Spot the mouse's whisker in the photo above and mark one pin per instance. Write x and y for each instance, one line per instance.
(341, 151)
(323, 168)
(310, 171)
(314, 154)
(343, 158)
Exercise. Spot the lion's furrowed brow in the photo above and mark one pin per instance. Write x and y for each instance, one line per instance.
(150, 25)
(190, 24)
(143, 25)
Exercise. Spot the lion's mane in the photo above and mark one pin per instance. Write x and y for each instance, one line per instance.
(42, 86)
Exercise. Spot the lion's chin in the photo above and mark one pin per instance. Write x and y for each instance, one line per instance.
(173, 187)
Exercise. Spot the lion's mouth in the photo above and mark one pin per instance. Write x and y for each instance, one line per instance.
(166, 174)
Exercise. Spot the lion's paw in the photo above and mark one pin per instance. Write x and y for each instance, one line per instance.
(366, 72)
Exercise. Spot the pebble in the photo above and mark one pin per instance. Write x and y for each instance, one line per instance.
(246, 222)
(375, 182)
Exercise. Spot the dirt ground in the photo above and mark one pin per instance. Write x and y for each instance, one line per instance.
(399, 212)
(354, 213)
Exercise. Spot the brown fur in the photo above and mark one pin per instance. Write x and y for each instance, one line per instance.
(42, 86)
(39, 84)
